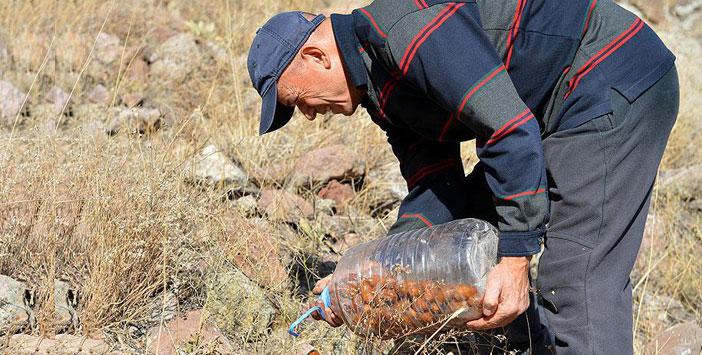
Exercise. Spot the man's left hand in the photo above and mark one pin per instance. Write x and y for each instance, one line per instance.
(506, 293)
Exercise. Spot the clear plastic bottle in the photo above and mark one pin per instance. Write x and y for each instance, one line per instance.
(412, 282)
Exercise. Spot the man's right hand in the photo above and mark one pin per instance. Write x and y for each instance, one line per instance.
(329, 316)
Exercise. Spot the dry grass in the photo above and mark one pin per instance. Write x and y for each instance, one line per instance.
(114, 216)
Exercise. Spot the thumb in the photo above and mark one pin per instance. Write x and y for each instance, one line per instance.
(491, 297)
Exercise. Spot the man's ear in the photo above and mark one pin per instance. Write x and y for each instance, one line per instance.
(314, 55)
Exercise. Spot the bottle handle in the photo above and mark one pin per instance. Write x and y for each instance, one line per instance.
(325, 298)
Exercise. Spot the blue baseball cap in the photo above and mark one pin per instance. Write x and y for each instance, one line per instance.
(272, 50)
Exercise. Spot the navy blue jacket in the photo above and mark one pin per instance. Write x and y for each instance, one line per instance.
(503, 72)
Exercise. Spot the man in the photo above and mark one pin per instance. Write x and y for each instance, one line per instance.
(571, 104)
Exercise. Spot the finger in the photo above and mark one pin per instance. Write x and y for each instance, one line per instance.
(506, 314)
(332, 318)
(491, 297)
(320, 285)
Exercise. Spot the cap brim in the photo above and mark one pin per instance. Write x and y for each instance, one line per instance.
(273, 115)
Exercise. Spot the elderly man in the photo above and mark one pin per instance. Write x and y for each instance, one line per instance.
(570, 103)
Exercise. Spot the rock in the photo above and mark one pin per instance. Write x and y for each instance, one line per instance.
(218, 53)
(345, 231)
(192, 332)
(160, 34)
(58, 99)
(136, 121)
(239, 306)
(133, 99)
(4, 53)
(284, 206)
(176, 58)
(340, 193)
(255, 251)
(655, 10)
(162, 307)
(275, 173)
(138, 70)
(319, 166)
(246, 205)
(662, 309)
(99, 95)
(659, 11)
(347, 241)
(14, 314)
(325, 206)
(107, 48)
(60, 344)
(65, 302)
(250, 100)
(687, 182)
(386, 187)
(11, 100)
(681, 339)
(212, 167)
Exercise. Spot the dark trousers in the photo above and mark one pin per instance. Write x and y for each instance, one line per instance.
(601, 175)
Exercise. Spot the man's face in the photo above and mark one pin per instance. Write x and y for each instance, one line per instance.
(316, 84)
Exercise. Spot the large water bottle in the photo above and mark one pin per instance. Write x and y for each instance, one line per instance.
(414, 282)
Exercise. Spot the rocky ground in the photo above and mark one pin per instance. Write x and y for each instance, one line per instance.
(139, 213)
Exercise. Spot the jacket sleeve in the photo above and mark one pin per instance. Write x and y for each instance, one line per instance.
(451, 60)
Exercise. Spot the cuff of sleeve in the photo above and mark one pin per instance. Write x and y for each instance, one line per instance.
(520, 243)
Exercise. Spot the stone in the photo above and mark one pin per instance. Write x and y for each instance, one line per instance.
(11, 100)
(132, 99)
(4, 53)
(255, 251)
(58, 99)
(681, 339)
(175, 58)
(238, 306)
(14, 315)
(136, 120)
(212, 167)
(99, 95)
(284, 206)
(65, 302)
(345, 231)
(218, 53)
(340, 193)
(246, 205)
(275, 173)
(346, 242)
(386, 187)
(162, 307)
(325, 206)
(663, 309)
(335, 162)
(107, 48)
(686, 182)
(192, 331)
(138, 70)
(655, 10)
(60, 344)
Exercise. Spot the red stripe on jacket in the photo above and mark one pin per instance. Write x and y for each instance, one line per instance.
(605, 52)
(525, 193)
(510, 126)
(518, 14)
(589, 15)
(372, 20)
(418, 216)
(421, 4)
(424, 33)
(429, 169)
(477, 87)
